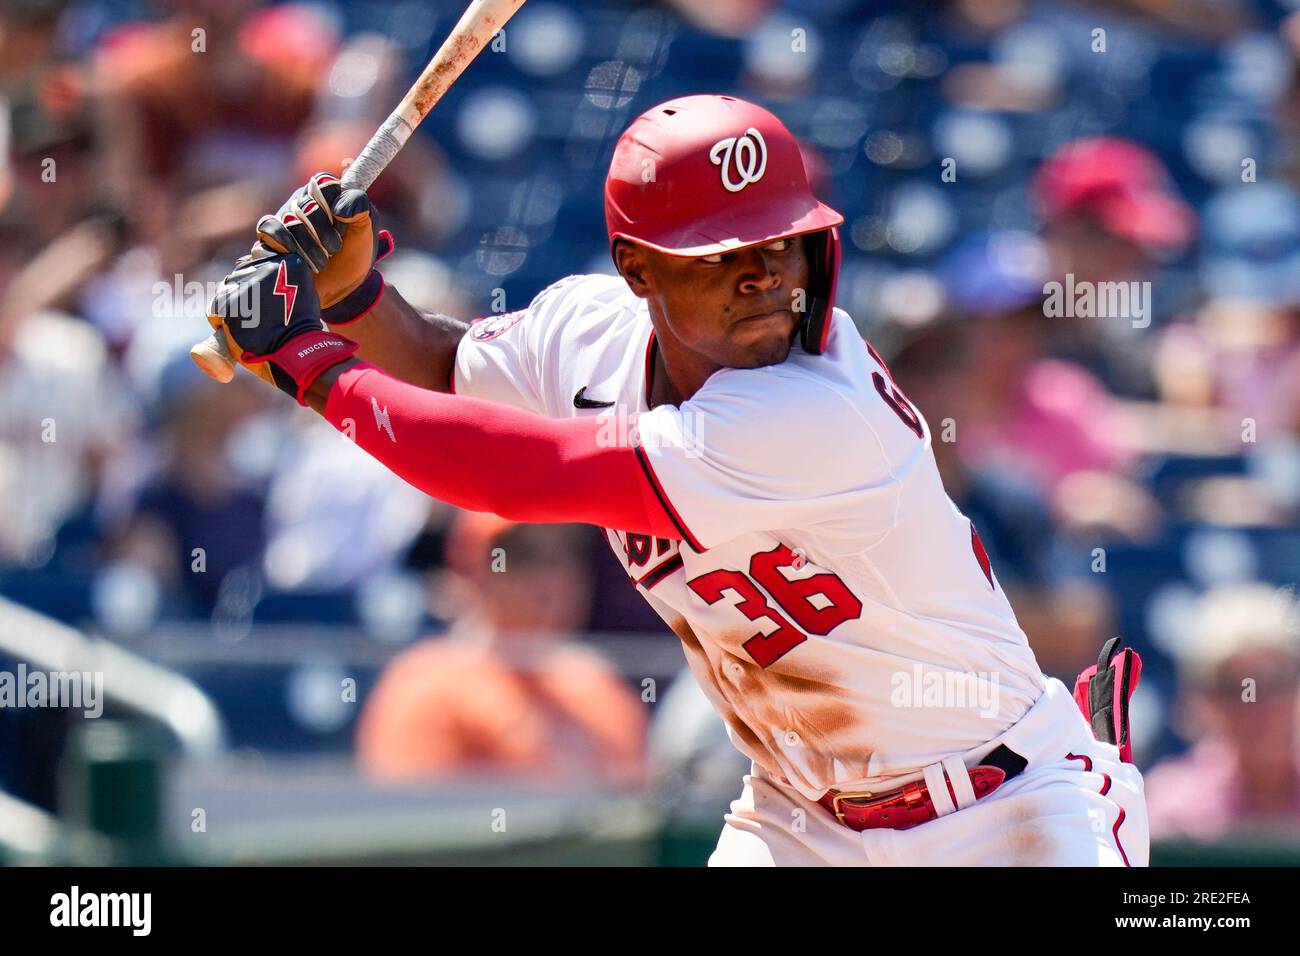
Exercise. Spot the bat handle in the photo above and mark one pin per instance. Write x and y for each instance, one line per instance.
(379, 152)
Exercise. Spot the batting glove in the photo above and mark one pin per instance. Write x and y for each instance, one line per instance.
(333, 231)
(270, 314)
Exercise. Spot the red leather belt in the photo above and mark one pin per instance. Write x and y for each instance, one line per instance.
(911, 803)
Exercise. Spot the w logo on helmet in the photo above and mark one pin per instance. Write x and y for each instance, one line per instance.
(746, 156)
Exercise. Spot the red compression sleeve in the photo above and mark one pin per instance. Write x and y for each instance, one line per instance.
(484, 456)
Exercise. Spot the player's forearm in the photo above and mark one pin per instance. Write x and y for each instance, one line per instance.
(414, 347)
(483, 456)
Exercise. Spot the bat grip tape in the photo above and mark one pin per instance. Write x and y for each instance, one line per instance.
(379, 152)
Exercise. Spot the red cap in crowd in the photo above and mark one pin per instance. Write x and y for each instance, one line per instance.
(1124, 187)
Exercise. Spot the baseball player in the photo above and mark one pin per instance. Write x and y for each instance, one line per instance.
(766, 485)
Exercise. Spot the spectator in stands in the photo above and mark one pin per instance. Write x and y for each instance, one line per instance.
(1111, 220)
(45, 127)
(195, 520)
(62, 412)
(507, 691)
(51, 233)
(1243, 349)
(1233, 367)
(1109, 210)
(321, 540)
(213, 94)
(1022, 411)
(1241, 682)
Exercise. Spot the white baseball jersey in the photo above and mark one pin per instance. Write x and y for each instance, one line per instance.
(834, 604)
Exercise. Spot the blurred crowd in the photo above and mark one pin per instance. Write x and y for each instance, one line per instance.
(1133, 470)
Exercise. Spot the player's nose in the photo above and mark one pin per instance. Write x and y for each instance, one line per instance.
(757, 274)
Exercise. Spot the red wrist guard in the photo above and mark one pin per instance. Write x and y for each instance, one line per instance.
(300, 361)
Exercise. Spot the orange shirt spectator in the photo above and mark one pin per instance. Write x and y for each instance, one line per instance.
(447, 706)
(507, 691)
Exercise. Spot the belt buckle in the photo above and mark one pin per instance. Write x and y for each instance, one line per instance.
(835, 802)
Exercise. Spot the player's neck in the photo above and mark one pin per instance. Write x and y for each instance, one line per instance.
(676, 372)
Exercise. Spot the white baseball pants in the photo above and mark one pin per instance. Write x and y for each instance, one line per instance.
(1075, 804)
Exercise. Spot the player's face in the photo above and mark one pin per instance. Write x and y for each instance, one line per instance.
(735, 309)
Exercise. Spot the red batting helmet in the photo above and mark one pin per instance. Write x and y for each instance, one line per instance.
(707, 174)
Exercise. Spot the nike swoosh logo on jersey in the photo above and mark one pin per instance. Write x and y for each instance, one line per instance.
(580, 400)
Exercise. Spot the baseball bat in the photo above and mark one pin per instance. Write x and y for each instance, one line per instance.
(476, 27)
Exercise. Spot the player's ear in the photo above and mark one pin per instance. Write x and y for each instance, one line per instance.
(632, 266)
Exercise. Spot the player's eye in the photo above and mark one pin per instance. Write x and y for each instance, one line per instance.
(778, 246)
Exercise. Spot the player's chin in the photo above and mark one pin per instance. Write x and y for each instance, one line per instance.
(773, 352)
(766, 343)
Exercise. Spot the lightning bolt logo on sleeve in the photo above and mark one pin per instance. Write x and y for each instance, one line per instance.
(285, 288)
(381, 418)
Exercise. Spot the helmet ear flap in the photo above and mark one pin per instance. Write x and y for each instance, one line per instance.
(822, 250)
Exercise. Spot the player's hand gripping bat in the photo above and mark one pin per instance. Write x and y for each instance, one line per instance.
(480, 22)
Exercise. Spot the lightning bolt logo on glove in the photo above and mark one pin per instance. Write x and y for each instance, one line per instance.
(286, 290)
